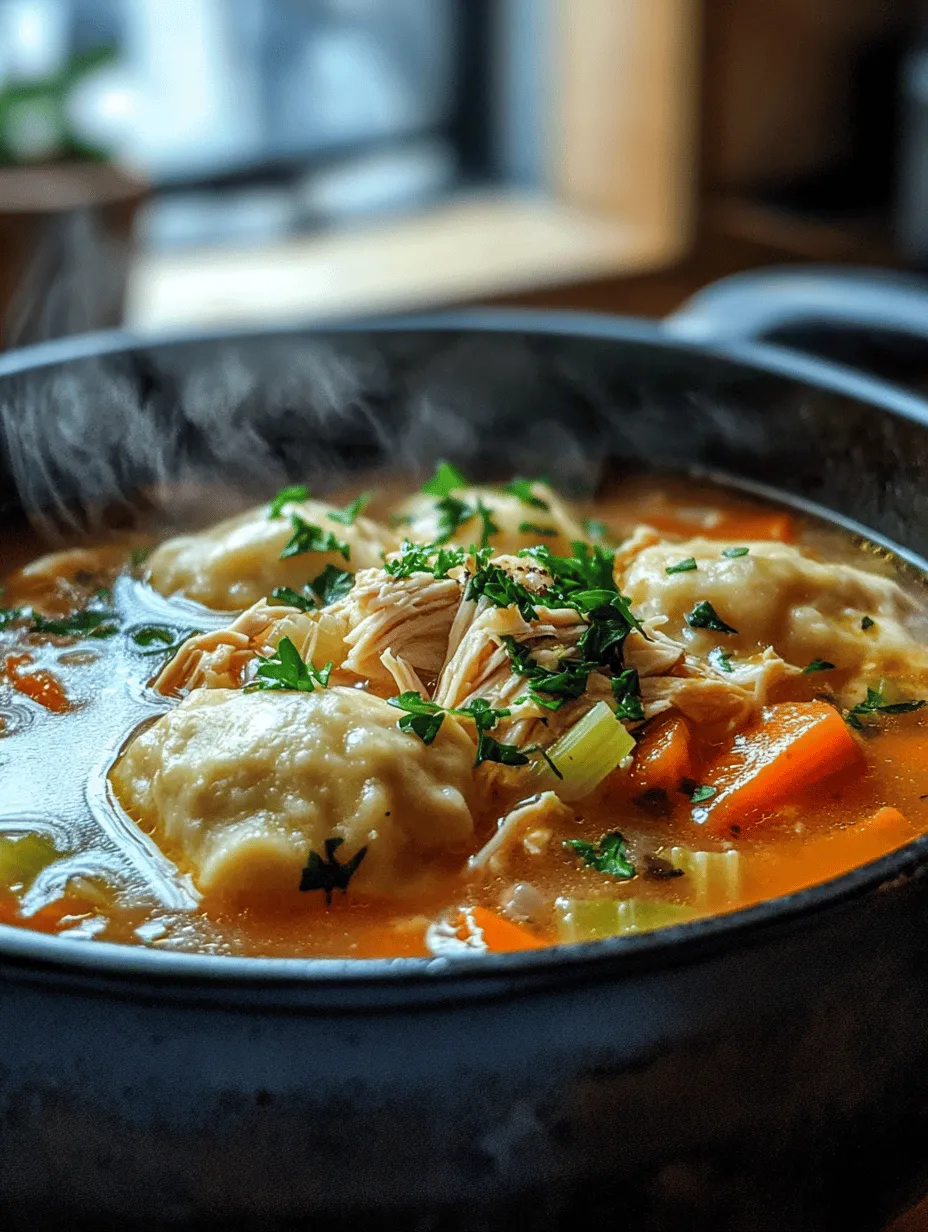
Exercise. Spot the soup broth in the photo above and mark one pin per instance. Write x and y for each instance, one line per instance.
(453, 721)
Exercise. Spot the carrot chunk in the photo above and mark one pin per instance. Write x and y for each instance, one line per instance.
(791, 747)
(663, 756)
(500, 935)
(735, 528)
(41, 686)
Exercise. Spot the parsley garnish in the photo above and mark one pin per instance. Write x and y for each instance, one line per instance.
(701, 793)
(327, 874)
(501, 590)
(721, 659)
(594, 528)
(148, 635)
(818, 665)
(734, 553)
(422, 717)
(452, 514)
(682, 566)
(522, 490)
(531, 528)
(286, 670)
(88, 623)
(331, 584)
(138, 556)
(9, 614)
(417, 558)
(294, 598)
(425, 718)
(347, 515)
(295, 492)
(607, 856)
(704, 616)
(445, 480)
(308, 538)
(867, 622)
(487, 526)
(568, 682)
(875, 702)
(627, 693)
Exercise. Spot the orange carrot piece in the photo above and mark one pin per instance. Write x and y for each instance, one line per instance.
(791, 747)
(41, 686)
(501, 936)
(663, 756)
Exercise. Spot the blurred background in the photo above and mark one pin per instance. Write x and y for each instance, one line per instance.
(171, 163)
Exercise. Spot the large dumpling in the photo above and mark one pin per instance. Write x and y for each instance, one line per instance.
(240, 787)
(236, 562)
(774, 595)
(514, 522)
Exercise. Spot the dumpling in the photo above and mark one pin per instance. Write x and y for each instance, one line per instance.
(236, 562)
(519, 523)
(240, 787)
(774, 595)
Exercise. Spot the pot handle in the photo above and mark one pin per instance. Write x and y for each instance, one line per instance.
(760, 303)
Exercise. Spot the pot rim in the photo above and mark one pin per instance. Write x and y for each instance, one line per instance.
(608, 957)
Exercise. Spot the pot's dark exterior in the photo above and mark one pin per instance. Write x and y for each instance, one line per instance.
(765, 1071)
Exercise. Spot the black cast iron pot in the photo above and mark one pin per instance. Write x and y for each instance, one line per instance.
(766, 1070)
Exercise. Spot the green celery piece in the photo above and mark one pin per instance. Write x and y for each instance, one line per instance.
(22, 858)
(591, 919)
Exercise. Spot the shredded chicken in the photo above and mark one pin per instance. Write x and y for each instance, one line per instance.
(543, 809)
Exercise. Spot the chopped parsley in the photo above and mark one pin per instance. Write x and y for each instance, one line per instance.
(9, 614)
(734, 553)
(867, 623)
(488, 527)
(331, 584)
(702, 793)
(522, 490)
(295, 492)
(682, 566)
(326, 874)
(704, 616)
(417, 558)
(607, 856)
(876, 703)
(595, 529)
(627, 693)
(347, 515)
(568, 681)
(149, 635)
(445, 480)
(286, 669)
(309, 538)
(502, 591)
(818, 665)
(452, 513)
(532, 528)
(295, 598)
(721, 659)
(88, 623)
(424, 718)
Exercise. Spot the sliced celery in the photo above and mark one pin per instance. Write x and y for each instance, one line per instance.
(22, 858)
(588, 919)
(713, 878)
(589, 751)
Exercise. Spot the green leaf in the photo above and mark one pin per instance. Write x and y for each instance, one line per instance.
(417, 558)
(501, 590)
(532, 528)
(608, 856)
(704, 616)
(286, 669)
(88, 623)
(445, 480)
(867, 623)
(286, 496)
(721, 659)
(568, 681)
(331, 584)
(488, 527)
(9, 614)
(627, 693)
(682, 566)
(522, 490)
(326, 874)
(818, 665)
(452, 514)
(702, 792)
(294, 598)
(308, 538)
(876, 703)
(422, 717)
(733, 553)
(148, 635)
(485, 718)
(347, 515)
